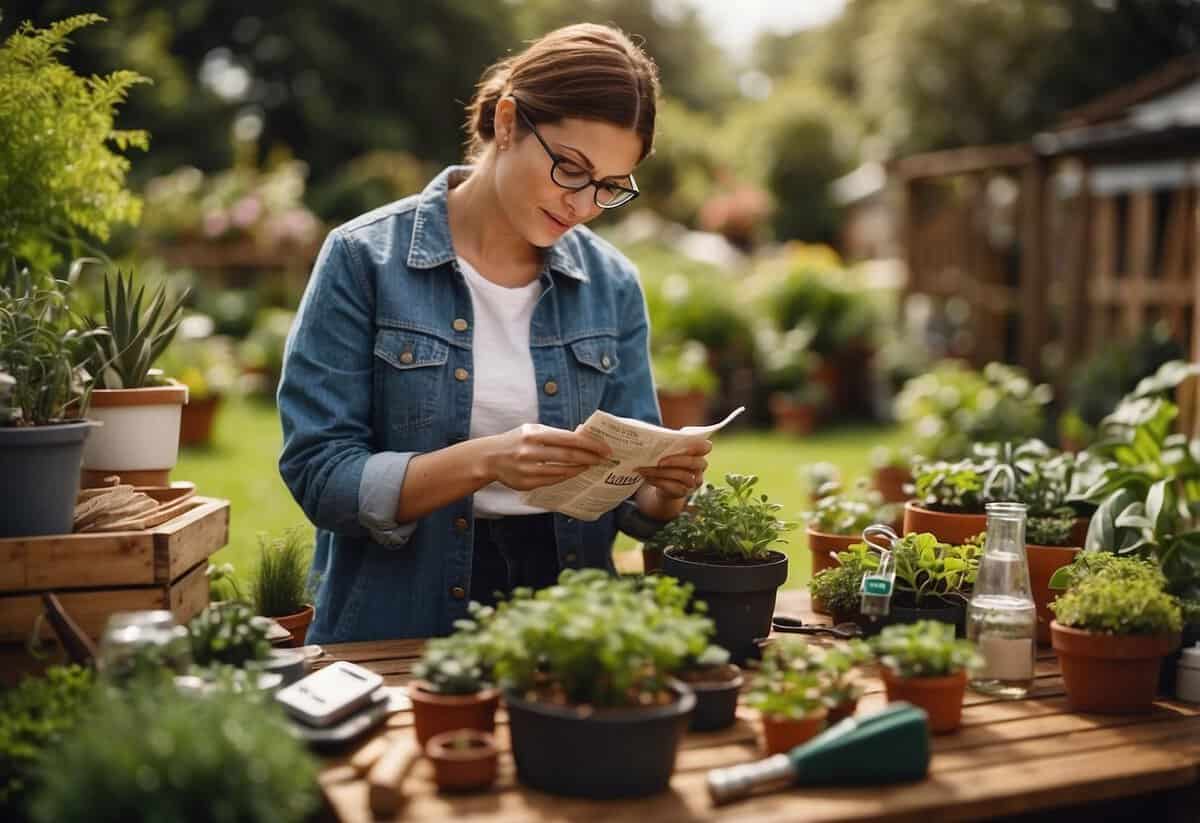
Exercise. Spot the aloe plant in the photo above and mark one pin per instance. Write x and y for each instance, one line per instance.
(136, 337)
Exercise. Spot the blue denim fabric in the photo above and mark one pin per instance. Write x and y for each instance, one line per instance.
(371, 378)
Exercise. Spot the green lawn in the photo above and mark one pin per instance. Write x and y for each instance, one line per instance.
(241, 466)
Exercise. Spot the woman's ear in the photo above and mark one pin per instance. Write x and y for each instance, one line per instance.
(504, 122)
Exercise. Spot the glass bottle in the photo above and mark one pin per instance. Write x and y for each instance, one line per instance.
(139, 642)
(1001, 618)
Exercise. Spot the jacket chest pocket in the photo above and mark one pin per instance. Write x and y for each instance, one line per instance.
(410, 377)
(595, 360)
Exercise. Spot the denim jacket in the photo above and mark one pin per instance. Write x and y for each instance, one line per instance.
(378, 368)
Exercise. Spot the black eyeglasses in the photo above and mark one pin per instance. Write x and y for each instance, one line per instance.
(569, 175)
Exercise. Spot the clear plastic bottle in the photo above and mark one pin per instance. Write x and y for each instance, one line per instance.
(1001, 618)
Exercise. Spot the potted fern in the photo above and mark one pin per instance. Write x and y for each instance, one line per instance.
(280, 588)
(44, 394)
(140, 410)
(721, 544)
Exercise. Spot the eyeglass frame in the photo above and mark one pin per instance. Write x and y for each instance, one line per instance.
(556, 158)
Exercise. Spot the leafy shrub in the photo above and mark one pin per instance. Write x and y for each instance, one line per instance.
(458, 664)
(684, 369)
(726, 522)
(153, 753)
(228, 633)
(62, 176)
(595, 640)
(926, 648)
(954, 487)
(35, 716)
(840, 587)
(850, 512)
(796, 678)
(817, 302)
(280, 587)
(929, 573)
(1038, 476)
(1050, 530)
(1101, 603)
(1108, 566)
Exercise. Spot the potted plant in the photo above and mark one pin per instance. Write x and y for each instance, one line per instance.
(587, 667)
(139, 409)
(45, 394)
(463, 760)
(716, 683)
(230, 634)
(1112, 628)
(684, 383)
(207, 365)
(891, 473)
(923, 663)
(788, 688)
(839, 588)
(452, 686)
(722, 546)
(837, 522)
(823, 478)
(788, 368)
(949, 499)
(280, 588)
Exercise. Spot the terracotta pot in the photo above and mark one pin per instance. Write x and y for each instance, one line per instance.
(790, 417)
(140, 437)
(463, 760)
(681, 409)
(651, 558)
(1110, 674)
(1079, 531)
(843, 710)
(196, 423)
(890, 481)
(435, 713)
(821, 544)
(297, 624)
(1044, 561)
(955, 529)
(781, 734)
(940, 697)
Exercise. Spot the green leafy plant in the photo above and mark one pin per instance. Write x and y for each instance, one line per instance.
(1108, 566)
(1050, 530)
(1101, 603)
(730, 522)
(223, 583)
(43, 349)
(929, 573)
(595, 640)
(63, 177)
(154, 753)
(1038, 476)
(684, 369)
(228, 633)
(953, 487)
(280, 586)
(893, 457)
(840, 587)
(207, 365)
(850, 512)
(796, 678)
(818, 300)
(787, 364)
(7, 381)
(136, 338)
(926, 648)
(458, 664)
(34, 716)
(823, 478)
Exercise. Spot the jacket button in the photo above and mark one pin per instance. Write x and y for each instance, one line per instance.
(551, 388)
(605, 362)
(460, 523)
(571, 558)
(461, 374)
(458, 593)
(459, 324)
(406, 357)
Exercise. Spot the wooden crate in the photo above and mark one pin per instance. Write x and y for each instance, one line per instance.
(95, 575)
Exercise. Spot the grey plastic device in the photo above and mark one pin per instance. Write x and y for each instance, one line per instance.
(328, 695)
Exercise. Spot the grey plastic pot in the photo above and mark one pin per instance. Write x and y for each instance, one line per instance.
(39, 480)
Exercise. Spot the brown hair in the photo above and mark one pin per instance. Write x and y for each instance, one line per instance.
(585, 70)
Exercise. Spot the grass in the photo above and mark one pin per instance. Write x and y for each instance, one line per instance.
(241, 466)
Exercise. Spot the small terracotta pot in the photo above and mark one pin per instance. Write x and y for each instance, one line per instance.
(1079, 531)
(843, 710)
(681, 409)
(463, 760)
(955, 529)
(821, 544)
(781, 734)
(890, 481)
(940, 697)
(1044, 561)
(196, 421)
(790, 417)
(435, 713)
(1110, 674)
(297, 624)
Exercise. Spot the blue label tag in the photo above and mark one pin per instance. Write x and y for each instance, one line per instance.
(877, 585)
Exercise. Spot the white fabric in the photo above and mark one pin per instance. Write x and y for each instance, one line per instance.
(505, 391)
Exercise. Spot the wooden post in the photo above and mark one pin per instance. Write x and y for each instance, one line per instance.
(1102, 281)
(1032, 282)
(1139, 252)
(1075, 292)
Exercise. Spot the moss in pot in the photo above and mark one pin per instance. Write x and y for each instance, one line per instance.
(721, 545)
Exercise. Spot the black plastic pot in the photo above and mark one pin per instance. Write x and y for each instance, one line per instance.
(1168, 674)
(954, 615)
(601, 754)
(40, 478)
(740, 597)
(716, 702)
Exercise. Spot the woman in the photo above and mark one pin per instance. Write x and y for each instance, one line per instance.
(449, 345)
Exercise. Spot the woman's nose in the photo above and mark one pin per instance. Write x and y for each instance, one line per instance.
(582, 205)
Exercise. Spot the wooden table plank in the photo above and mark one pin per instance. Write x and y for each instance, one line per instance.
(1010, 756)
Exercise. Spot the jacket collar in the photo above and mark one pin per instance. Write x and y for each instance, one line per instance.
(432, 246)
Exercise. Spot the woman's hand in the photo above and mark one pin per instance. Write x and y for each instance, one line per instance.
(679, 475)
(533, 455)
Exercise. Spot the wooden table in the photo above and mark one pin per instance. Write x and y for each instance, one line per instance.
(1009, 757)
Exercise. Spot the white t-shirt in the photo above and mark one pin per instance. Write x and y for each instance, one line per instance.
(505, 391)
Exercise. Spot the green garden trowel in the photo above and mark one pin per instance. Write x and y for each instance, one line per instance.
(890, 746)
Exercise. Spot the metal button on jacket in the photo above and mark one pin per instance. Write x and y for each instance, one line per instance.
(461, 375)
(551, 388)
(605, 362)
(461, 524)
(459, 324)
(406, 357)
(458, 593)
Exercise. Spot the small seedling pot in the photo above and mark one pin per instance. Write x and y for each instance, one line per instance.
(434, 713)
(940, 697)
(782, 734)
(464, 760)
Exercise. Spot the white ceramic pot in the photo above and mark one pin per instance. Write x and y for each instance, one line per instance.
(139, 438)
